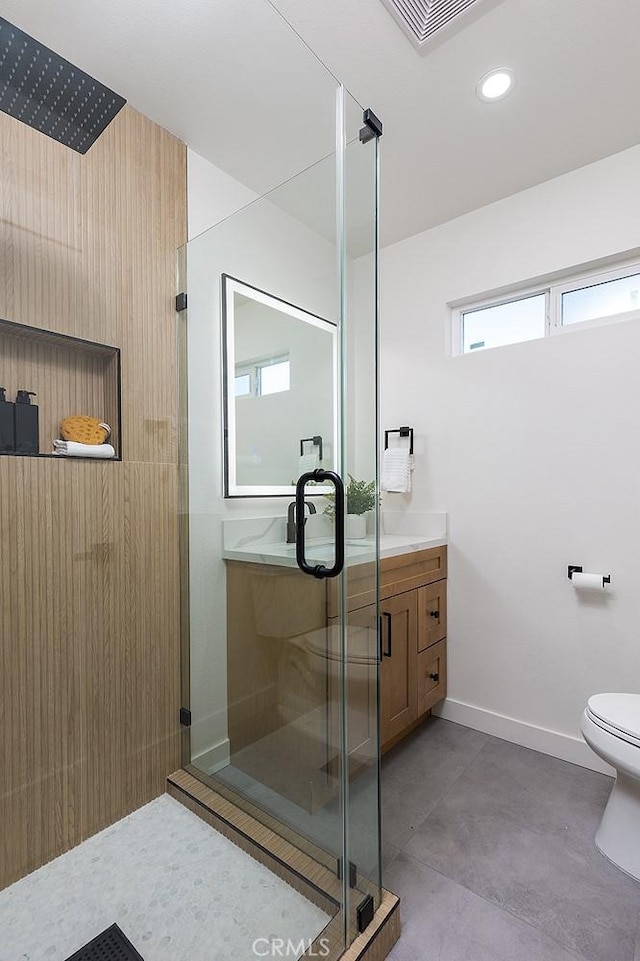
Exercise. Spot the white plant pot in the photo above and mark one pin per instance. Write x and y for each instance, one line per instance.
(356, 526)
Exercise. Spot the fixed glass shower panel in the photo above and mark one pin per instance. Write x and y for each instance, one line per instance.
(360, 618)
(281, 519)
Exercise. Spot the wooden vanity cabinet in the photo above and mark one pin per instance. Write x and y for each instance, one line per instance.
(283, 667)
(413, 614)
(362, 689)
(413, 611)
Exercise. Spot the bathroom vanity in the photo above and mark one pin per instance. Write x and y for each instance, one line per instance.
(413, 613)
(283, 650)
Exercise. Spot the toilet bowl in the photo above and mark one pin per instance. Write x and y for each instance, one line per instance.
(611, 727)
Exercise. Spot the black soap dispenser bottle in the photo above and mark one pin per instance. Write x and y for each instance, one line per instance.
(26, 421)
(7, 425)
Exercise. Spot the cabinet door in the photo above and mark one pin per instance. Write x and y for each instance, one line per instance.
(362, 688)
(362, 684)
(398, 682)
(432, 614)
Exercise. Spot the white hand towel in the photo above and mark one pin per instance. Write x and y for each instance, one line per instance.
(70, 448)
(306, 463)
(397, 465)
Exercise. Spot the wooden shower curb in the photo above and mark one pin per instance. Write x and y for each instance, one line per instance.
(376, 941)
(312, 880)
(374, 944)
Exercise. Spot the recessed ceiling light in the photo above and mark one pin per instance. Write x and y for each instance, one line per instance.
(496, 84)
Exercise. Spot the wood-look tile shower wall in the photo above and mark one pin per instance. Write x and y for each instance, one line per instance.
(89, 571)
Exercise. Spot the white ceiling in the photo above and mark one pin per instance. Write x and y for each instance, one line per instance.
(228, 77)
(444, 151)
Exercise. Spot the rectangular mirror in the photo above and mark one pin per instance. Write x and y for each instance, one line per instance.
(280, 392)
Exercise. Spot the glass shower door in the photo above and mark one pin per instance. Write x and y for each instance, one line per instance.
(281, 518)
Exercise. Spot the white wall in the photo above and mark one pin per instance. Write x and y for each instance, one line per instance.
(268, 248)
(533, 449)
(212, 194)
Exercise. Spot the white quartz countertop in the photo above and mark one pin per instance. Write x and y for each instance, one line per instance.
(321, 550)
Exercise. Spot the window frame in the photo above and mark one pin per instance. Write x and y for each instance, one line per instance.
(273, 362)
(523, 293)
(553, 288)
(246, 372)
(591, 279)
(253, 368)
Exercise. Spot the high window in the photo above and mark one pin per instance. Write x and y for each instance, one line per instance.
(587, 299)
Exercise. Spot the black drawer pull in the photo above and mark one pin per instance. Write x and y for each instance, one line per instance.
(434, 613)
(435, 677)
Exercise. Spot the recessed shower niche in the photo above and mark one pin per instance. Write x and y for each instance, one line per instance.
(68, 376)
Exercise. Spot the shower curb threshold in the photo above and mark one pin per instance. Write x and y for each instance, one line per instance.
(312, 880)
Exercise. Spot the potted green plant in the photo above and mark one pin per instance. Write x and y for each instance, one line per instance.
(361, 497)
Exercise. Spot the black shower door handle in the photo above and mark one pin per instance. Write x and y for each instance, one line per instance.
(319, 570)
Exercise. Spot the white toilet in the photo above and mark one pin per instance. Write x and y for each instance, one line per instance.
(611, 727)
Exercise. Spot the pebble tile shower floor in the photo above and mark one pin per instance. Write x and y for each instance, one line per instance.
(178, 890)
(490, 847)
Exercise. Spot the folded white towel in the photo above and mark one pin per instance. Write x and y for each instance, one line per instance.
(307, 462)
(397, 465)
(70, 448)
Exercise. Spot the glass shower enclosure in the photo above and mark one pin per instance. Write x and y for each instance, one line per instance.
(280, 517)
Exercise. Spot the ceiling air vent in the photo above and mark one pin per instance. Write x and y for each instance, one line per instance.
(422, 19)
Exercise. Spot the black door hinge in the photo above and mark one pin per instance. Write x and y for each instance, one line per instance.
(181, 302)
(185, 717)
(365, 913)
(372, 126)
(353, 873)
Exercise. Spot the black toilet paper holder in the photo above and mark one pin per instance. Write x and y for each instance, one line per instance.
(574, 569)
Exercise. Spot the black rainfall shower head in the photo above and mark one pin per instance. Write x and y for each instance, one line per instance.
(46, 92)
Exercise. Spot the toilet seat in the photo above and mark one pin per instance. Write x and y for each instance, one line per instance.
(618, 714)
(610, 729)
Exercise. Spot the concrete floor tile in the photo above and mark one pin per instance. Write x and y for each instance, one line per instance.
(577, 897)
(417, 772)
(443, 920)
(513, 827)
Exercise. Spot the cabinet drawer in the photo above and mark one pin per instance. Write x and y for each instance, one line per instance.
(432, 614)
(408, 571)
(432, 676)
(405, 572)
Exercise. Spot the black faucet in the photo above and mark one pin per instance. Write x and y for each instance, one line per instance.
(291, 523)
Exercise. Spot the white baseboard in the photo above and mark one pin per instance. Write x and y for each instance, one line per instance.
(214, 758)
(563, 746)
